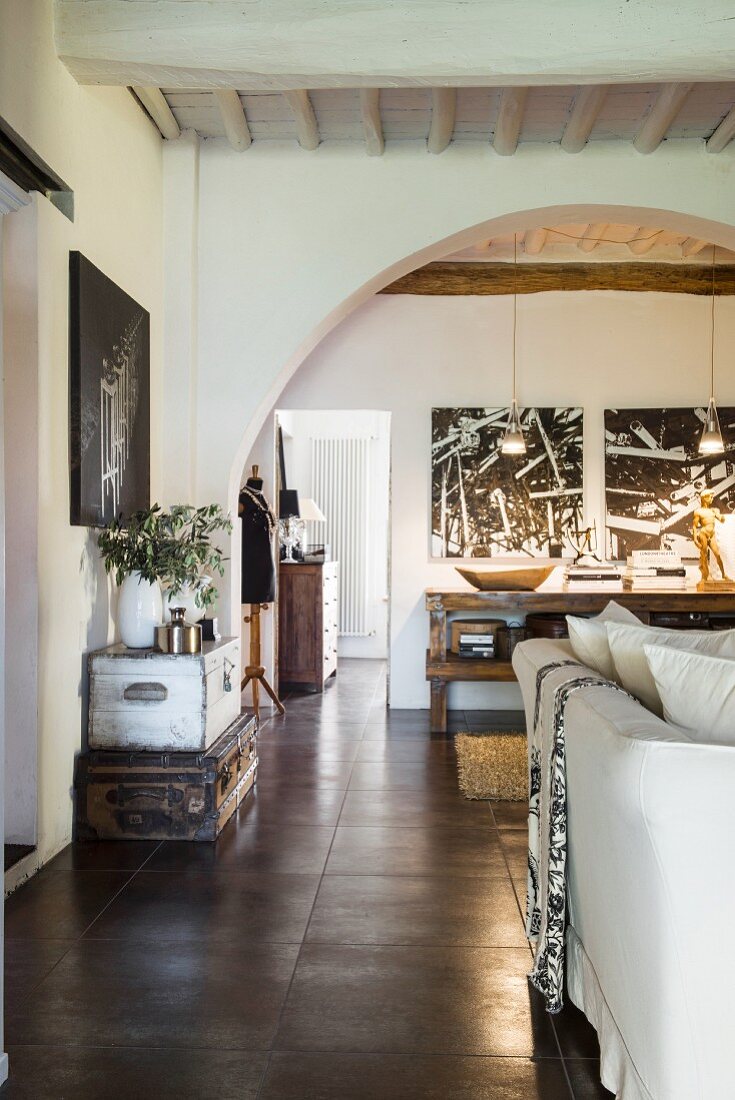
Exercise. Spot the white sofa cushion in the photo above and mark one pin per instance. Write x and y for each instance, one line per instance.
(588, 637)
(697, 692)
(627, 646)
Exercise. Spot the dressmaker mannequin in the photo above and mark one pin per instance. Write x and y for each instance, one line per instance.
(258, 578)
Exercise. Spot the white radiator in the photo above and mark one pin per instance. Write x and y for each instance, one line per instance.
(340, 477)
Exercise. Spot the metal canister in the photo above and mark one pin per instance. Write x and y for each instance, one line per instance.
(178, 636)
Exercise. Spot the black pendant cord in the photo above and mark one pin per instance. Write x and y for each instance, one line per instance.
(712, 330)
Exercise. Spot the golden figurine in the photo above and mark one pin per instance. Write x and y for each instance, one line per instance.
(704, 534)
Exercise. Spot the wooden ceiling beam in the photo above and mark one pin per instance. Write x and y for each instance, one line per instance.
(372, 125)
(664, 110)
(509, 121)
(587, 106)
(723, 135)
(443, 113)
(155, 104)
(467, 277)
(693, 245)
(233, 118)
(534, 241)
(307, 131)
(644, 240)
(591, 237)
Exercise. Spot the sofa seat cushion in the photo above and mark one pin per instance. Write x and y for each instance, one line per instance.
(627, 646)
(588, 637)
(697, 692)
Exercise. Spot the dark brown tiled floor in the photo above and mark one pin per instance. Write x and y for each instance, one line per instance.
(356, 934)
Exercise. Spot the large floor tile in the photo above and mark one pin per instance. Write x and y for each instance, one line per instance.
(449, 850)
(104, 855)
(411, 1077)
(27, 962)
(584, 1076)
(292, 806)
(106, 1073)
(273, 849)
(294, 750)
(60, 904)
(225, 996)
(212, 908)
(391, 775)
(510, 815)
(408, 750)
(473, 912)
(414, 1000)
(413, 808)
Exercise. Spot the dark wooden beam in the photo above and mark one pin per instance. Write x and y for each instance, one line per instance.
(498, 278)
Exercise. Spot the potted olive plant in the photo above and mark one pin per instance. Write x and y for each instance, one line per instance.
(151, 548)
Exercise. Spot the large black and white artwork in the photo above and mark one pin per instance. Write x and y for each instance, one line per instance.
(654, 475)
(486, 504)
(109, 398)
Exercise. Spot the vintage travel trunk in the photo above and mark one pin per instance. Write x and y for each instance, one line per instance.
(166, 796)
(163, 702)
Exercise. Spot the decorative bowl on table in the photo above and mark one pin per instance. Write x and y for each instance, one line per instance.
(506, 580)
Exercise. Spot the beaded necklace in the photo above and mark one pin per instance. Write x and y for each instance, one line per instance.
(260, 503)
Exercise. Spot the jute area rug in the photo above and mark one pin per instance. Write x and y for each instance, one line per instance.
(493, 765)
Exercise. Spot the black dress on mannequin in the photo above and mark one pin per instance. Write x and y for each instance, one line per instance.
(258, 525)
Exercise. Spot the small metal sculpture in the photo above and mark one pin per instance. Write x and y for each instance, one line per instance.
(704, 534)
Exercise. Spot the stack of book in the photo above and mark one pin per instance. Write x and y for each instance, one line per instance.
(596, 578)
(651, 570)
(476, 645)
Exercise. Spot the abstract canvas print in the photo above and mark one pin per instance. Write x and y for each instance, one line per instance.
(486, 504)
(654, 475)
(109, 398)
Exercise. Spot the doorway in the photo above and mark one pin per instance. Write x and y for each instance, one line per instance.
(338, 462)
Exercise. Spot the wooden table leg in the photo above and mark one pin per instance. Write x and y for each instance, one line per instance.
(438, 706)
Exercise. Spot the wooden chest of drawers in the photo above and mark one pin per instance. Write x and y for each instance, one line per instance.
(308, 623)
(163, 702)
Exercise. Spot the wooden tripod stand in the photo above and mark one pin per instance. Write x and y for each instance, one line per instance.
(255, 672)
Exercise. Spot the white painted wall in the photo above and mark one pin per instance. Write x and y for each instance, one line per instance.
(102, 145)
(290, 243)
(411, 353)
(299, 428)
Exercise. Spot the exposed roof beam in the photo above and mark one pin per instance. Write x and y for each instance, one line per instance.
(233, 118)
(372, 126)
(587, 106)
(693, 245)
(665, 108)
(534, 241)
(509, 121)
(723, 135)
(591, 236)
(155, 104)
(307, 130)
(443, 111)
(258, 44)
(644, 241)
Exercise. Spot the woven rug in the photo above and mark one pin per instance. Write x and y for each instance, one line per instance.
(493, 765)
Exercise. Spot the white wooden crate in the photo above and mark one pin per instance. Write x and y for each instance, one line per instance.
(163, 702)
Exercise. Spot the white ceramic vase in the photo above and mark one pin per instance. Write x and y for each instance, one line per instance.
(186, 599)
(139, 612)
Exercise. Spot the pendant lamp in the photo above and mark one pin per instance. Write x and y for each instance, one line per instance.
(711, 442)
(513, 440)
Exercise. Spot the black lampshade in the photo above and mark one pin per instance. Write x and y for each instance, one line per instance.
(288, 503)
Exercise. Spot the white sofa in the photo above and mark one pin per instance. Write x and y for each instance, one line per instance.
(651, 889)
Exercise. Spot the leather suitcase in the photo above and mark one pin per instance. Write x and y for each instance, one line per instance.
(166, 796)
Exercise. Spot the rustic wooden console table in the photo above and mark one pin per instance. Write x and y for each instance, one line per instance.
(444, 667)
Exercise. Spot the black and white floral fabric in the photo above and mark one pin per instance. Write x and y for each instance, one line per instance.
(547, 829)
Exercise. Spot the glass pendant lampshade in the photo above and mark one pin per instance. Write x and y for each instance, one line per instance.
(710, 442)
(514, 442)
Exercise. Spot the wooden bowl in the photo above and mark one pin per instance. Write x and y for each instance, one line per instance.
(506, 580)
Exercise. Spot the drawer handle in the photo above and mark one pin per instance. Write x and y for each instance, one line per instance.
(145, 693)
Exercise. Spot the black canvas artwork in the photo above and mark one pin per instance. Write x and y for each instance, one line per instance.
(109, 398)
(654, 475)
(486, 504)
